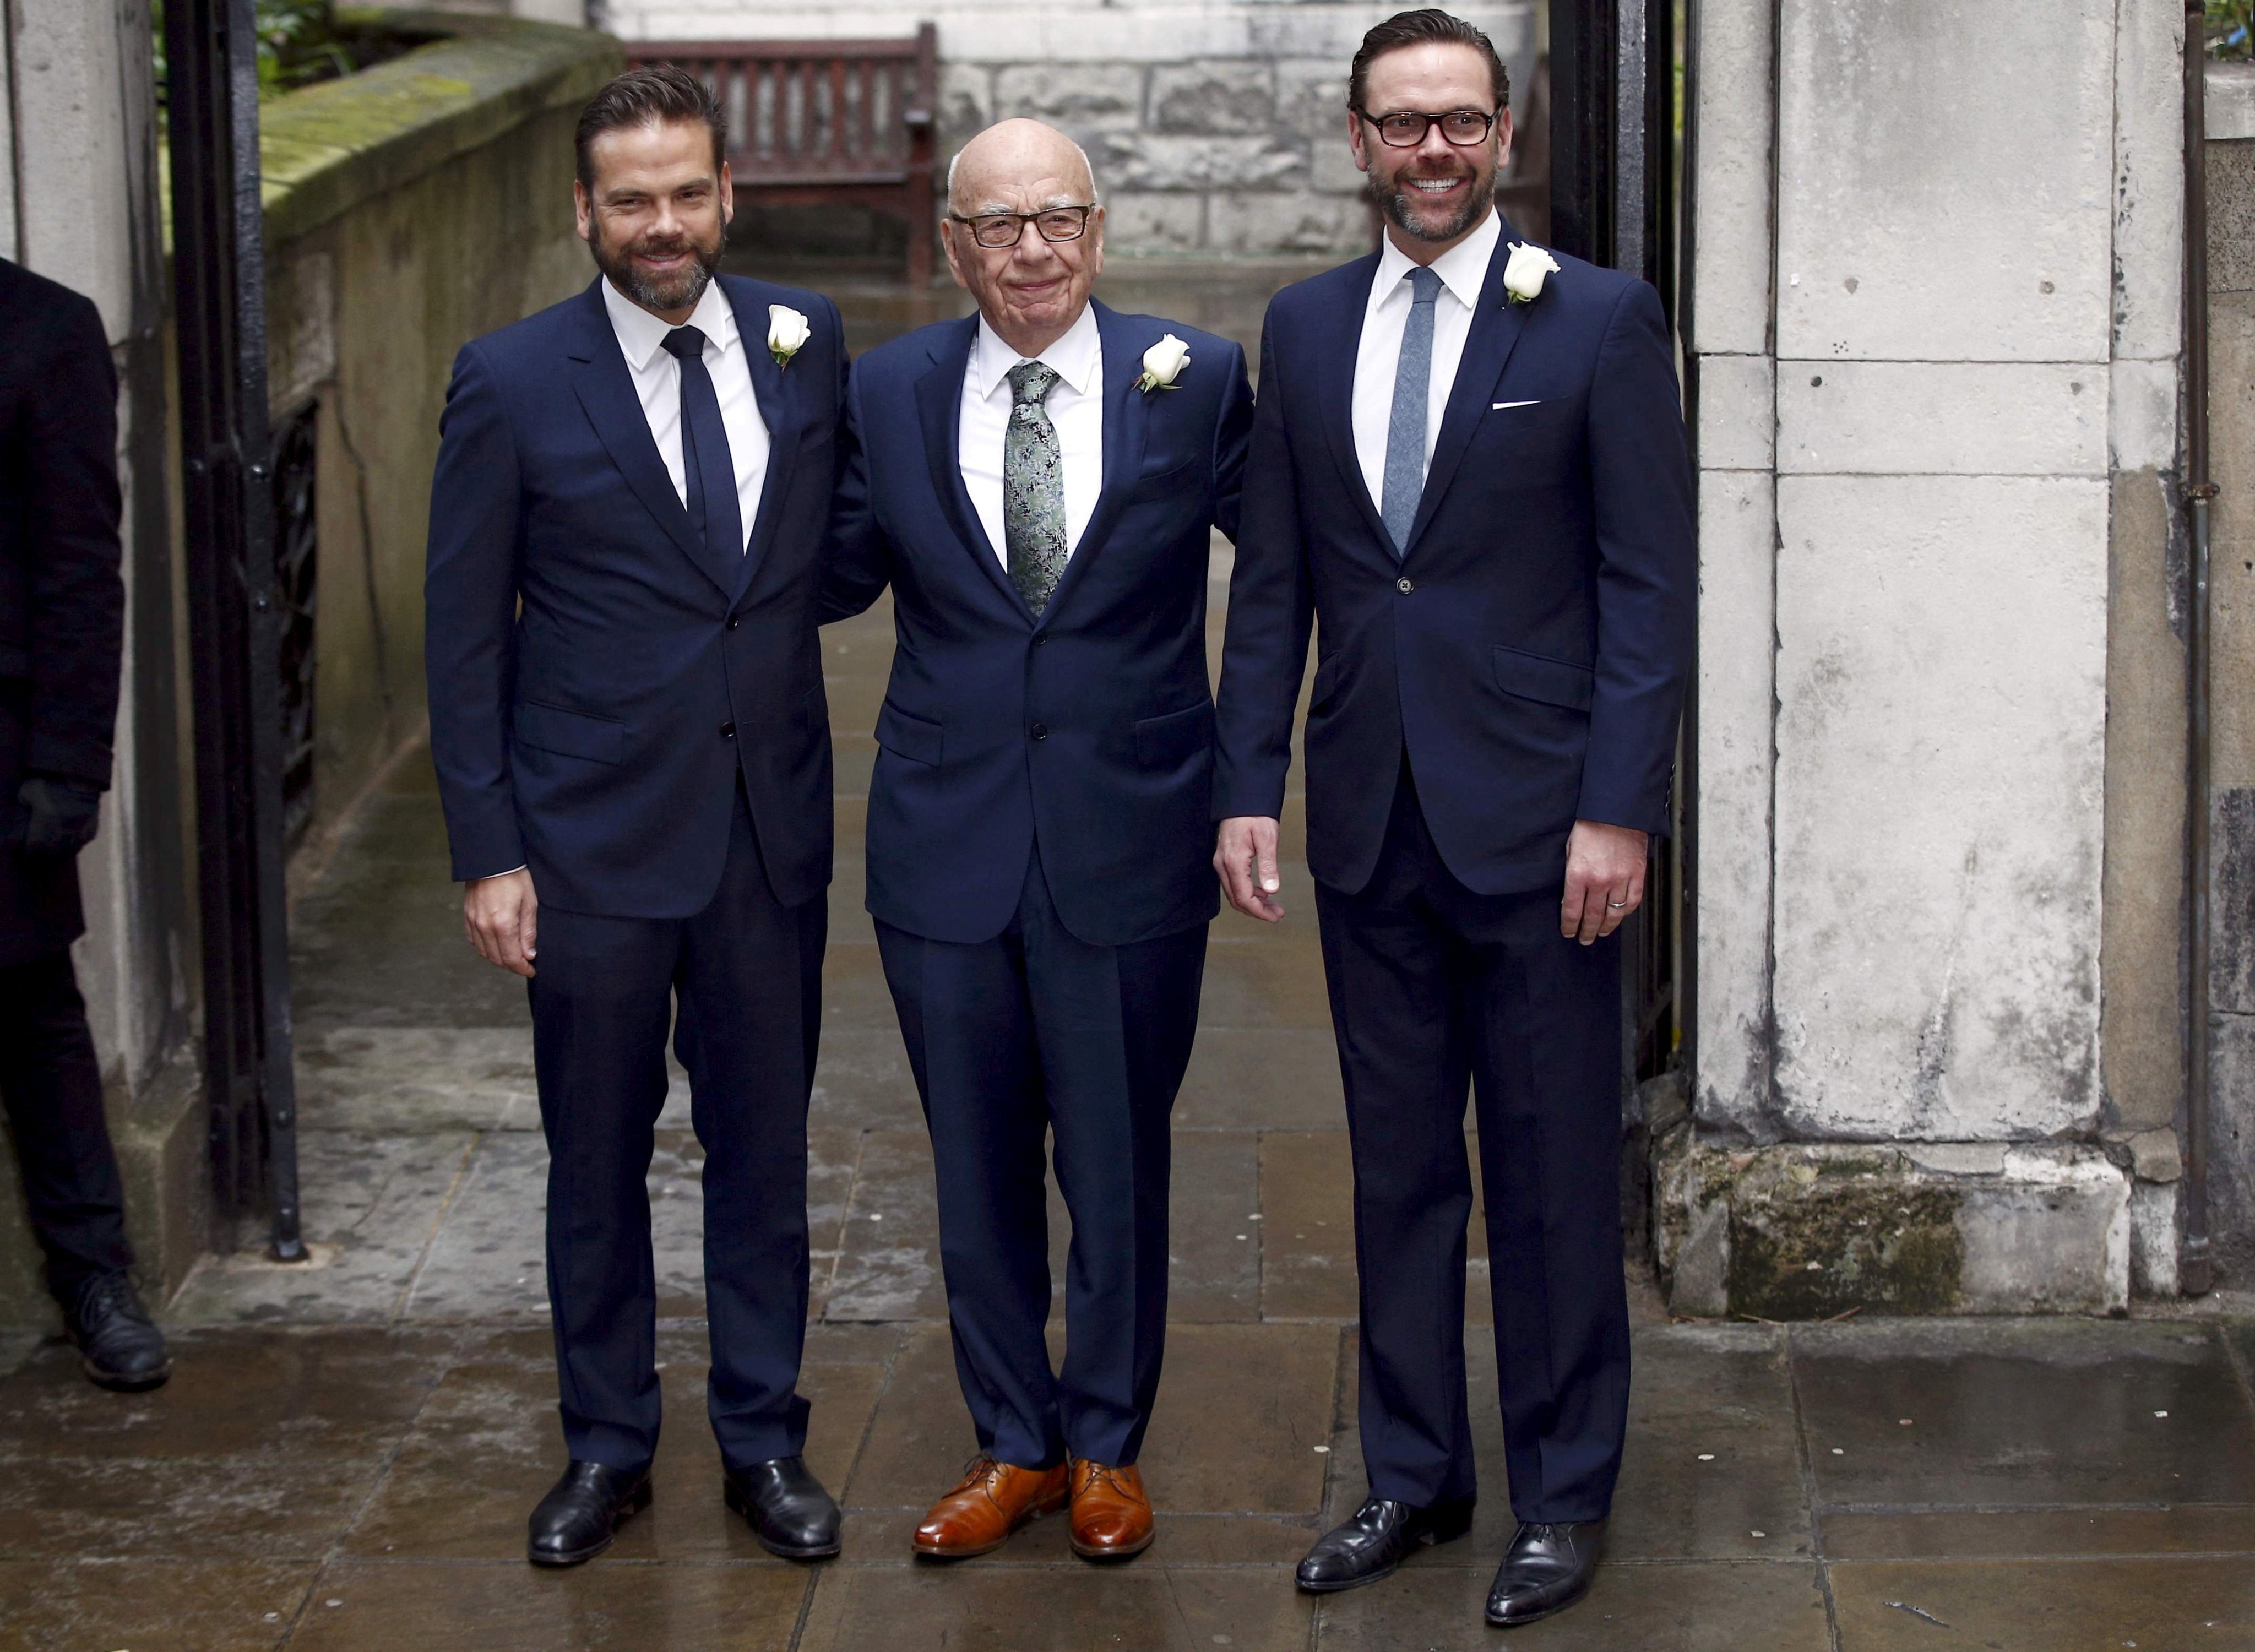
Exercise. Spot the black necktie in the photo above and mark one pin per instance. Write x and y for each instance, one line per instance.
(707, 470)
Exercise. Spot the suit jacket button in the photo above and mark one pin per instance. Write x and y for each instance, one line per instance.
(1404, 587)
(727, 731)
(734, 620)
(1040, 731)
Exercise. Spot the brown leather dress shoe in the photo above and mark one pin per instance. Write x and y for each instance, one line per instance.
(994, 1499)
(1111, 1511)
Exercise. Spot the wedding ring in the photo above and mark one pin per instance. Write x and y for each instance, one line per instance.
(1616, 905)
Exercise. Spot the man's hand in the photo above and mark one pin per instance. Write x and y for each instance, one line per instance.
(1605, 879)
(1244, 854)
(58, 817)
(501, 914)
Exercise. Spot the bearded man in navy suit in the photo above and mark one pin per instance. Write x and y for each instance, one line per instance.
(1038, 485)
(1468, 464)
(627, 721)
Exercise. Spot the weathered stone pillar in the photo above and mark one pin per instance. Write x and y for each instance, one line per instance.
(1933, 324)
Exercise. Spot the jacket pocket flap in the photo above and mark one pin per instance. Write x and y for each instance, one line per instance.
(1175, 478)
(907, 736)
(574, 733)
(1555, 682)
(1163, 741)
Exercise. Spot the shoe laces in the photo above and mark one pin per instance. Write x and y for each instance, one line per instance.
(980, 1470)
(110, 1294)
(1110, 1476)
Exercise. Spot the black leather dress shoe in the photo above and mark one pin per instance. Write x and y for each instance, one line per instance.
(118, 1346)
(790, 1514)
(1546, 1569)
(581, 1513)
(1376, 1541)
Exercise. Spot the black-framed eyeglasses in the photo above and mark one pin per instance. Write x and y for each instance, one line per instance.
(1000, 230)
(1406, 129)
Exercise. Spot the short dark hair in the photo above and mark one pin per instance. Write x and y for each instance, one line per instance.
(1429, 27)
(646, 96)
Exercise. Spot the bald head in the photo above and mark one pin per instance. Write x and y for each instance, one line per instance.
(1014, 161)
(1033, 285)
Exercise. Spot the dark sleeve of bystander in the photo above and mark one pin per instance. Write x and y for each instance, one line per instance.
(74, 593)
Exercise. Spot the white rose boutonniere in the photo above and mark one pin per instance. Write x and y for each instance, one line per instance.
(1163, 364)
(1525, 271)
(787, 331)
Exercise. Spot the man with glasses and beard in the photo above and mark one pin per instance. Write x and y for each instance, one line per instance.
(1469, 462)
(1038, 484)
(627, 722)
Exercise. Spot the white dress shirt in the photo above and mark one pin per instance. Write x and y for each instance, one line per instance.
(658, 381)
(1463, 269)
(1075, 408)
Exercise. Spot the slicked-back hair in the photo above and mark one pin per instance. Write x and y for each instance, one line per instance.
(652, 95)
(1427, 28)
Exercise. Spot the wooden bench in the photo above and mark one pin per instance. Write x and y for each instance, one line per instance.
(812, 123)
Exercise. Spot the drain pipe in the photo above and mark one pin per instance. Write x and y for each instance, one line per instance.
(2195, 1269)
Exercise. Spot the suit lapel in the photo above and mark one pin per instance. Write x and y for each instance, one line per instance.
(1496, 327)
(775, 391)
(1335, 390)
(939, 413)
(607, 393)
(1126, 412)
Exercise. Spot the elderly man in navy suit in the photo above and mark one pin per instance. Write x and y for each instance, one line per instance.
(627, 721)
(1468, 464)
(1038, 485)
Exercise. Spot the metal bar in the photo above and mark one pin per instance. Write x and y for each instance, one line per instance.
(219, 276)
(1684, 296)
(1632, 138)
(1582, 76)
(2195, 1268)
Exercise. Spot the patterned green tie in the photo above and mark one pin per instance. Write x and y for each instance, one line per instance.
(1033, 488)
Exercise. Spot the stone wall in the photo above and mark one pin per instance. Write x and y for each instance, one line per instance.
(1215, 129)
(1935, 385)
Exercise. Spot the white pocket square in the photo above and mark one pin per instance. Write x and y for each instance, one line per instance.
(1497, 407)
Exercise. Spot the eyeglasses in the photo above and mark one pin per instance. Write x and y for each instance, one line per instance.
(999, 229)
(1462, 127)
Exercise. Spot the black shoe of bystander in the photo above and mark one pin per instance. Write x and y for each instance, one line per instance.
(119, 1347)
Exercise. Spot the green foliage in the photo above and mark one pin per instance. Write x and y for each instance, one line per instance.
(298, 42)
(2231, 28)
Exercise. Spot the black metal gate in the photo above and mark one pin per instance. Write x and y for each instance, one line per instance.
(1615, 162)
(235, 611)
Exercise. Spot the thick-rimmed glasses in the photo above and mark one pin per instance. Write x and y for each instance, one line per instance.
(1000, 230)
(1406, 129)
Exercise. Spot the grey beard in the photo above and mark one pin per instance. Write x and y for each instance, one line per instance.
(681, 295)
(1396, 204)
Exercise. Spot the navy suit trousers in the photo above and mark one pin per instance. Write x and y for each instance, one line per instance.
(1434, 986)
(1037, 1032)
(746, 974)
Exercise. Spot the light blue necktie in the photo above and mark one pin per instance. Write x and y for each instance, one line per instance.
(1405, 430)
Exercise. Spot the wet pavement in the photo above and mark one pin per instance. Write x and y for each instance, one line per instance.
(347, 1455)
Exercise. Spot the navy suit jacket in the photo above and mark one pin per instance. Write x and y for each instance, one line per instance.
(598, 679)
(1531, 646)
(1089, 730)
